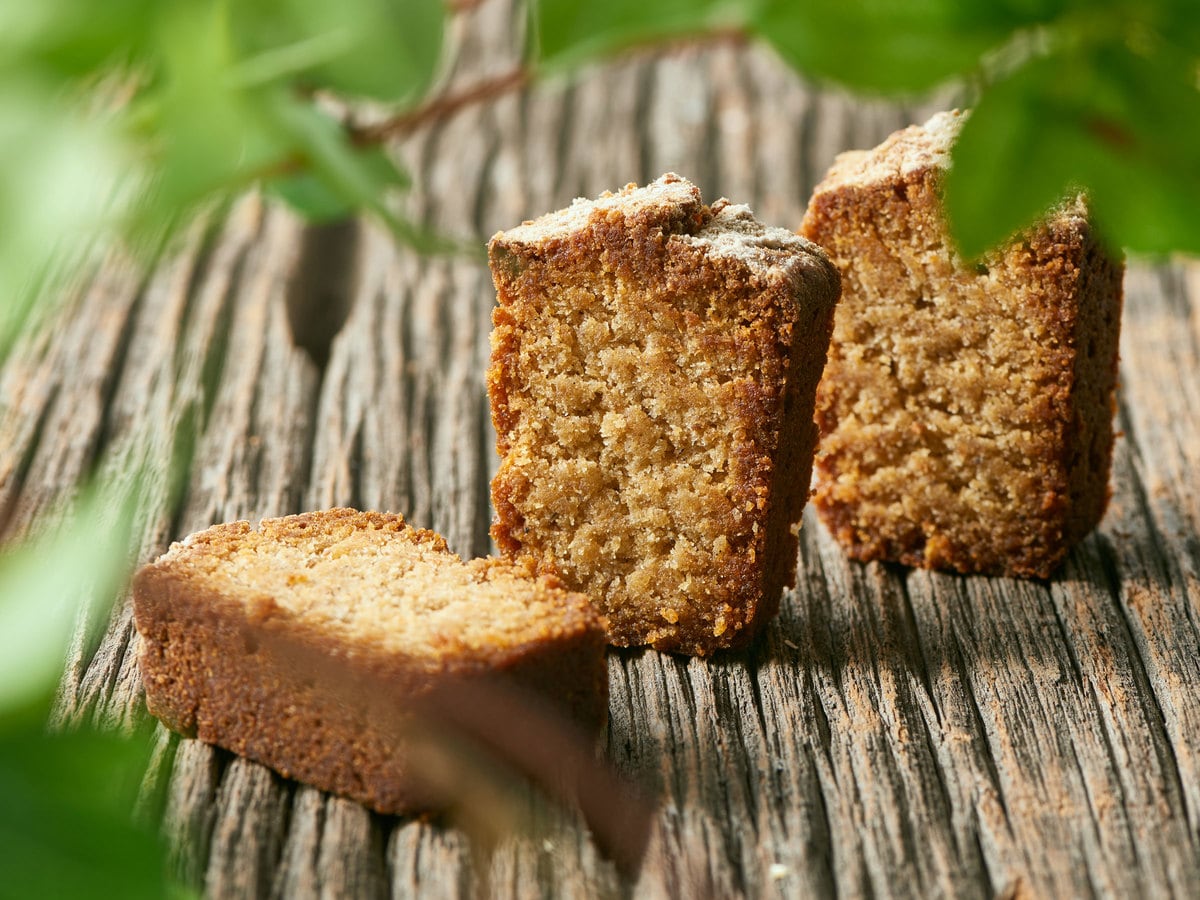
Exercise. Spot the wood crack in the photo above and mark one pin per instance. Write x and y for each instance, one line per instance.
(1164, 714)
(986, 754)
(14, 484)
(321, 288)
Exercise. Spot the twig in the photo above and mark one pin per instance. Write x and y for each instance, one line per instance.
(515, 79)
(439, 108)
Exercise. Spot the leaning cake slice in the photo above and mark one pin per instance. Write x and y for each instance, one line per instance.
(330, 645)
(654, 364)
(967, 408)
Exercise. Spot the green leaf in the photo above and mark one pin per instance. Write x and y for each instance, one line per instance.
(361, 177)
(69, 38)
(204, 134)
(66, 823)
(47, 583)
(1007, 165)
(325, 150)
(320, 200)
(1176, 23)
(308, 195)
(1142, 170)
(891, 46)
(384, 49)
(64, 178)
(569, 33)
(1122, 127)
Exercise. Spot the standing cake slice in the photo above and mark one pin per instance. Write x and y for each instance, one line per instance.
(654, 367)
(966, 411)
(347, 650)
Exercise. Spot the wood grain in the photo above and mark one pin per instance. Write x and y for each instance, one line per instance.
(895, 733)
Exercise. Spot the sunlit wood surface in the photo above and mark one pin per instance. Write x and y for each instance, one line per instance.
(895, 733)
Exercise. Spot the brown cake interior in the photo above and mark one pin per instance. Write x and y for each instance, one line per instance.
(654, 364)
(966, 410)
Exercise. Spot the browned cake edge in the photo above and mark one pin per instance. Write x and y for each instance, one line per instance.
(1091, 431)
(793, 465)
(781, 414)
(359, 723)
(1083, 307)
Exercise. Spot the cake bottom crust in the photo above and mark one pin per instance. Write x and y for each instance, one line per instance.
(1032, 555)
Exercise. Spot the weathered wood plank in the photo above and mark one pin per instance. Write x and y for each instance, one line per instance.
(55, 392)
(1152, 528)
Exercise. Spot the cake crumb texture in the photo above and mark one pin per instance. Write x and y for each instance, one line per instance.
(321, 645)
(966, 411)
(654, 366)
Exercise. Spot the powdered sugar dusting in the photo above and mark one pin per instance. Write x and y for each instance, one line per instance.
(909, 150)
(668, 194)
(733, 232)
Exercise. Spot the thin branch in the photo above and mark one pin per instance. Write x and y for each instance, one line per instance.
(440, 108)
(517, 78)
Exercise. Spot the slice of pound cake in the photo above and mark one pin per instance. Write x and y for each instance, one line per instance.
(967, 409)
(327, 646)
(654, 366)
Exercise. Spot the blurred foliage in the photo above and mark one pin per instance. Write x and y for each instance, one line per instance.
(1094, 95)
(66, 823)
(66, 828)
(119, 120)
(55, 580)
(1122, 125)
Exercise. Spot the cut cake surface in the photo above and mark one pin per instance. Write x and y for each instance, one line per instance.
(323, 644)
(654, 363)
(966, 409)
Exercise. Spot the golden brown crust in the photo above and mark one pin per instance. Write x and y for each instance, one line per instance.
(231, 663)
(654, 364)
(966, 411)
